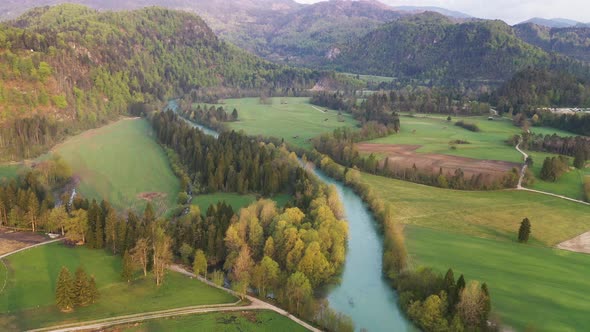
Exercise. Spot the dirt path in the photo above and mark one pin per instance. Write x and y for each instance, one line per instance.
(255, 304)
(580, 243)
(318, 109)
(27, 248)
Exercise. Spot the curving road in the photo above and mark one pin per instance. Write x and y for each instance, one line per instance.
(522, 173)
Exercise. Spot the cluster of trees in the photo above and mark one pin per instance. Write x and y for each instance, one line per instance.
(334, 100)
(437, 303)
(211, 117)
(77, 291)
(554, 167)
(466, 125)
(232, 163)
(26, 202)
(578, 123)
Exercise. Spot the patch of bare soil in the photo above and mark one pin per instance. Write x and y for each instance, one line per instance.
(405, 156)
(580, 243)
(151, 196)
(12, 240)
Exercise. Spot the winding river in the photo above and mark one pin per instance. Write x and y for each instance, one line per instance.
(363, 293)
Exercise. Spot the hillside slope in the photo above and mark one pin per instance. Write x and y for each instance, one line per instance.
(569, 41)
(431, 46)
(71, 64)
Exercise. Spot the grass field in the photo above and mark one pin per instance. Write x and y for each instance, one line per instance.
(119, 162)
(489, 214)
(475, 233)
(295, 120)
(244, 321)
(434, 133)
(28, 300)
(532, 287)
(236, 200)
(9, 171)
(570, 184)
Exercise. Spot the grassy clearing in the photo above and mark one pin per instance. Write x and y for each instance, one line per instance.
(237, 201)
(532, 287)
(239, 321)
(570, 184)
(434, 133)
(488, 214)
(9, 171)
(119, 162)
(292, 119)
(28, 300)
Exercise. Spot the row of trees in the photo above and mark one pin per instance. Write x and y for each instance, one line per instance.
(211, 117)
(573, 146)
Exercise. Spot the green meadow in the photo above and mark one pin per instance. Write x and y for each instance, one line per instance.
(293, 119)
(28, 299)
(570, 184)
(245, 321)
(532, 285)
(9, 171)
(121, 163)
(533, 288)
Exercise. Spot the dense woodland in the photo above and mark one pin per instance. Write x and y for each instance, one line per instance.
(573, 146)
(80, 68)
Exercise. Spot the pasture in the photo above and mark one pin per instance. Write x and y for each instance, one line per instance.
(570, 184)
(533, 288)
(258, 321)
(123, 164)
(28, 300)
(488, 214)
(293, 119)
(237, 201)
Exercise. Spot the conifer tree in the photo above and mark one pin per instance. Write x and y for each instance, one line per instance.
(80, 286)
(93, 294)
(524, 231)
(127, 272)
(459, 286)
(64, 292)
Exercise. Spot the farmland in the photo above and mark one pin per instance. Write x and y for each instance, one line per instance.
(292, 119)
(123, 164)
(28, 300)
(240, 321)
(456, 229)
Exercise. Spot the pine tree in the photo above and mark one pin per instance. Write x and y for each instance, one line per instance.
(64, 292)
(93, 294)
(449, 287)
(459, 286)
(81, 287)
(524, 231)
(487, 304)
(127, 272)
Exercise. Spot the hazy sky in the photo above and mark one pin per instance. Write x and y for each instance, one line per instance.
(511, 11)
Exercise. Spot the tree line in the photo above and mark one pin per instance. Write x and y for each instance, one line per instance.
(573, 146)
(212, 117)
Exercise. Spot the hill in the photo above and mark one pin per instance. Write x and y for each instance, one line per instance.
(571, 41)
(552, 22)
(431, 46)
(72, 65)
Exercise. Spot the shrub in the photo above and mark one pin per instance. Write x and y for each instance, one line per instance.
(466, 125)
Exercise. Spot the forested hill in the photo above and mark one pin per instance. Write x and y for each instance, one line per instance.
(73, 63)
(432, 46)
(570, 41)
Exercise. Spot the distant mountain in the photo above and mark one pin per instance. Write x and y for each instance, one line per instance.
(433, 47)
(553, 22)
(309, 33)
(571, 41)
(421, 9)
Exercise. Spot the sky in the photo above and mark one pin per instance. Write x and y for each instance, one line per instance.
(511, 11)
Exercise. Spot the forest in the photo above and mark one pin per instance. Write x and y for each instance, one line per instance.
(80, 68)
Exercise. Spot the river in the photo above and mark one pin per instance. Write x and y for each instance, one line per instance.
(363, 293)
